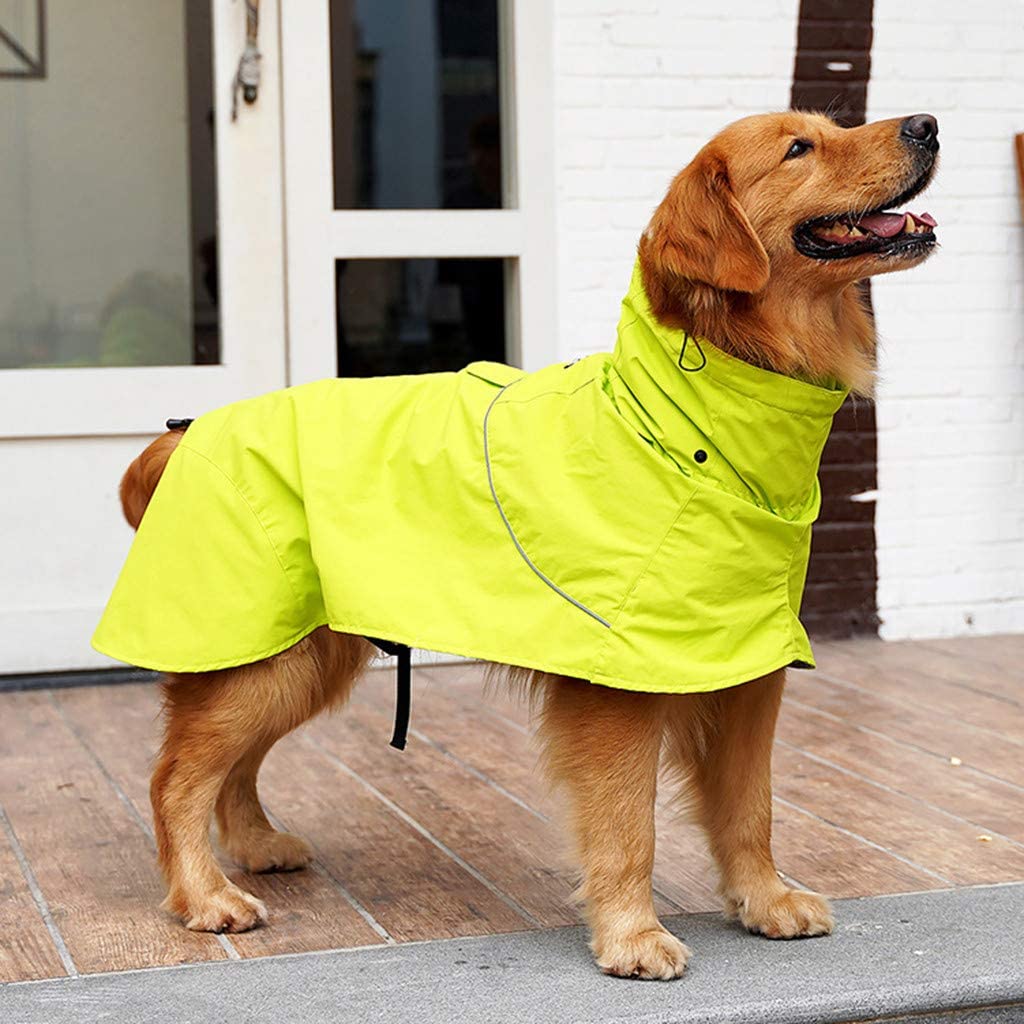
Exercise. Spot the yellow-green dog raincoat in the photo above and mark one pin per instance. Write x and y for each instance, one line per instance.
(640, 519)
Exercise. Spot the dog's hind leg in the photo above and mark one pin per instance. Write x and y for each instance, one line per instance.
(208, 728)
(300, 689)
(246, 835)
(721, 743)
(602, 746)
(217, 723)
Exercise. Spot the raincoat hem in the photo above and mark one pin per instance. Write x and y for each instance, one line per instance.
(474, 653)
(214, 666)
(793, 657)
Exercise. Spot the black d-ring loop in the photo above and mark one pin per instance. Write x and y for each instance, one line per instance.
(682, 352)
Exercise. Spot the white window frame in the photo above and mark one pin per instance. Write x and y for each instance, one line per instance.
(523, 232)
(100, 401)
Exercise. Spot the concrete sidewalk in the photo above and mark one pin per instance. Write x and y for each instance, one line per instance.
(890, 956)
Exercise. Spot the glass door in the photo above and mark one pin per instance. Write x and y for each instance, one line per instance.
(141, 277)
(141, 226)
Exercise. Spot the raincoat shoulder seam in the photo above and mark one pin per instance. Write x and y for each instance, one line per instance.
(542, 394)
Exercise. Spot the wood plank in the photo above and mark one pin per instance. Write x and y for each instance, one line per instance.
(989, 803)
(1001, 658)
(951, 663)
(819, 856)
(470, 678)
(916, 725)
(928, 838)
(409, 885)
(93, 863)
(809, 851)
(910, 684)
(510, 846)
(454, 721)
(27, 952)
(457, 721)
(684, 870)
(308, 910)
(1001, 648)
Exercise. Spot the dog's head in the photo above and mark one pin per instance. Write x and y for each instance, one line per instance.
(786, 211)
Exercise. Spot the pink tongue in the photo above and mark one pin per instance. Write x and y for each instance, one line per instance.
(883, 224)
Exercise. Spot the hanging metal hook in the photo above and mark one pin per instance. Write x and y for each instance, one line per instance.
(247, 77)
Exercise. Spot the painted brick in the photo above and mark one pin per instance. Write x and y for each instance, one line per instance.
(951, 395)
(641, 85)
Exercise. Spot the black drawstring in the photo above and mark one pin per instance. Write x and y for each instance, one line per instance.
(682, 352)
(403, 696)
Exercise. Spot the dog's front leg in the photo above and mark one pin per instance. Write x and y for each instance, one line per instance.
(722, 743)
(602, 746)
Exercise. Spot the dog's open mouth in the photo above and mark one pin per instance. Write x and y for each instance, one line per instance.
(880, 232)
(884, 233)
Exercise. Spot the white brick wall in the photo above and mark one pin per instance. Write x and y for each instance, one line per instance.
(642, 84)
(950, 517)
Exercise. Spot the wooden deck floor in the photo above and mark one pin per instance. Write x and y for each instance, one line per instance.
(899, 767)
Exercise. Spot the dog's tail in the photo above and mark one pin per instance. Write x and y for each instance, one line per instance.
(140, 479)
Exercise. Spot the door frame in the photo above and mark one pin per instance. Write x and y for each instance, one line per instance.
(317, 234)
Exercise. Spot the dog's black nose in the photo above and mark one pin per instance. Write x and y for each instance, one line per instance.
(922, 130)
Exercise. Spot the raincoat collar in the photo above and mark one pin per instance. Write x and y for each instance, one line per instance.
(764, 432)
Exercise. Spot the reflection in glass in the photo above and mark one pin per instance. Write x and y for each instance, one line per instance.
(418, 315)
(416, 104)
(107, 197)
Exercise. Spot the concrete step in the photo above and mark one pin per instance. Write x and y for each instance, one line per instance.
(890, 958)
(1008, 1014)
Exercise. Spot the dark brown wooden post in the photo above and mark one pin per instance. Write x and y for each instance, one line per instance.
(833, 67)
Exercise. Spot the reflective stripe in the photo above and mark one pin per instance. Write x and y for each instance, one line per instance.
(508, 526)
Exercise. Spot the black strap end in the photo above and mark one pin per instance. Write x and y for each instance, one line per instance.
(403, 698)
(403, 695)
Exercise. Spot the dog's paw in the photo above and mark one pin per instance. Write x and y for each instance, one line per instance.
(791, 914)
(228, 909)
(654, 955)
(271, 851)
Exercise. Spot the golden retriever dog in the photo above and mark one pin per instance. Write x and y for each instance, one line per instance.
(758, 246)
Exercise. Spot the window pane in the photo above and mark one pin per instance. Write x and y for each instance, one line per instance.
(416, 104)
(107, 200)
(419, 316)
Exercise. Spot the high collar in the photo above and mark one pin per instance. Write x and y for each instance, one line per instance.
(763, 433)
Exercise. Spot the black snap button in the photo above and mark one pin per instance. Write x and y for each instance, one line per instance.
(700, 455)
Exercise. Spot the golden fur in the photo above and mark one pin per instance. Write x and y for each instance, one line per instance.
(718, 259)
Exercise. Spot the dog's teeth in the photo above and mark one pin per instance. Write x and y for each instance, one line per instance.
(908, 224)
(856, 232)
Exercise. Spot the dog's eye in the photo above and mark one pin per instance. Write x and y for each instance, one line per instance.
(799, 147)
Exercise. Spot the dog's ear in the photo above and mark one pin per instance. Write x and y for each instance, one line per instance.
(701, 233)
